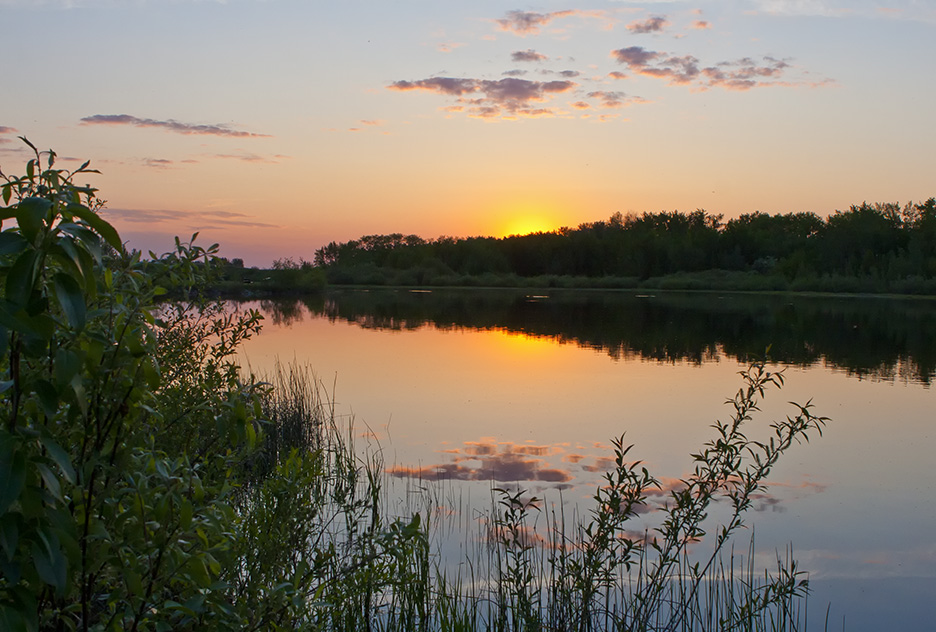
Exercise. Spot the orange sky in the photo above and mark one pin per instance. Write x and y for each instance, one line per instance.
(276, 127)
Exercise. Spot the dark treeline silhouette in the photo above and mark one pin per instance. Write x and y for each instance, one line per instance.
(881, 338)
(887, 246)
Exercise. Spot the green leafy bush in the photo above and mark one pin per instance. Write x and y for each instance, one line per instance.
(142, 484)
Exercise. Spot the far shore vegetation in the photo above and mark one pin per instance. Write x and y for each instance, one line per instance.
(884, 248)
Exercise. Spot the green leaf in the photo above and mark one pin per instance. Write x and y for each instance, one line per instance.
(12, 471)
(12, 243)
(48, 397)
(7, 193)
(20, 279)
(105, 230)
(67, 365)
(185, 514)
(71, 299)
(199, 571)
(134, 581)
(9, 534)
(49, 560)
(15, 318)
(13, 620)
(31, 214)
(60, 458)
(51, 480)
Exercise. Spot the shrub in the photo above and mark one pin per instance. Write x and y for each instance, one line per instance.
(138, 489)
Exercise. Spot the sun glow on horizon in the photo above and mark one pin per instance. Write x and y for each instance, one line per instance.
(524, 218)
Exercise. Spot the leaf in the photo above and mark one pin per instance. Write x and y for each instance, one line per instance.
(185, 514)
(105, 230)
(48, 397)
(49, 560)
(60, 458)
(199, 571)
(9, 534)
(20, 279)
(12, 243)
(15, 318)
(71, 299)
(31, 214)
(13, 620)
(67, 365)
(51, 481)
(12, 471)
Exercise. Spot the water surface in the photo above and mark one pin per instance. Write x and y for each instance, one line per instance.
(472, 387)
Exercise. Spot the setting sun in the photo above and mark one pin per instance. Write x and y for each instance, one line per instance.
(525, 225)
(519, 217)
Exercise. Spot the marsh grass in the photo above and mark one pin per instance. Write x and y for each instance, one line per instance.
(375, 559)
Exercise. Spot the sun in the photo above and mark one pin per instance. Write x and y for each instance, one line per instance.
(525, 218)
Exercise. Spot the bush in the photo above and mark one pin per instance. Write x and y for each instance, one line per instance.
(138, 488)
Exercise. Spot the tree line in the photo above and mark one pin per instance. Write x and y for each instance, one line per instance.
(885, 242)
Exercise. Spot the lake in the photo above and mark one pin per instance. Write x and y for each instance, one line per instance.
(528, 388)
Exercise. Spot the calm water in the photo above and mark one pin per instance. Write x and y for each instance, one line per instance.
(470, 386)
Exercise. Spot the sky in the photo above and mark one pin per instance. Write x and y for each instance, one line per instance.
(274, 127)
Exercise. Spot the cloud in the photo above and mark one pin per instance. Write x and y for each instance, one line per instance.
(654, 24)
(701, 25)
(254, 158)
(170, 125)
(194, 219)
(528, 22)
(158, 163)
(514, 73)
(484, 98)
(742, 74)
(448, 47)
(801, 7)
(612, 99)
(617, 75)
(6, 130)
(527, 55)
(525, 23)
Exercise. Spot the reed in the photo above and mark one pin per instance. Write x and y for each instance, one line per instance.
(376, 560)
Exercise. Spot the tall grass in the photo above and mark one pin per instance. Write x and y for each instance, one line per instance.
(378, 563)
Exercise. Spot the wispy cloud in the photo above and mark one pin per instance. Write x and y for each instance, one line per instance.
(525, 23)
(527, 55)
(742, 74)
(528, 22)
(448, 47)
(158, 163)
(254, 158)
(802, 7)
(170, 125)
(613, 99)
(701, 25)
(194, 219)
(503, 98)
(655, 24)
